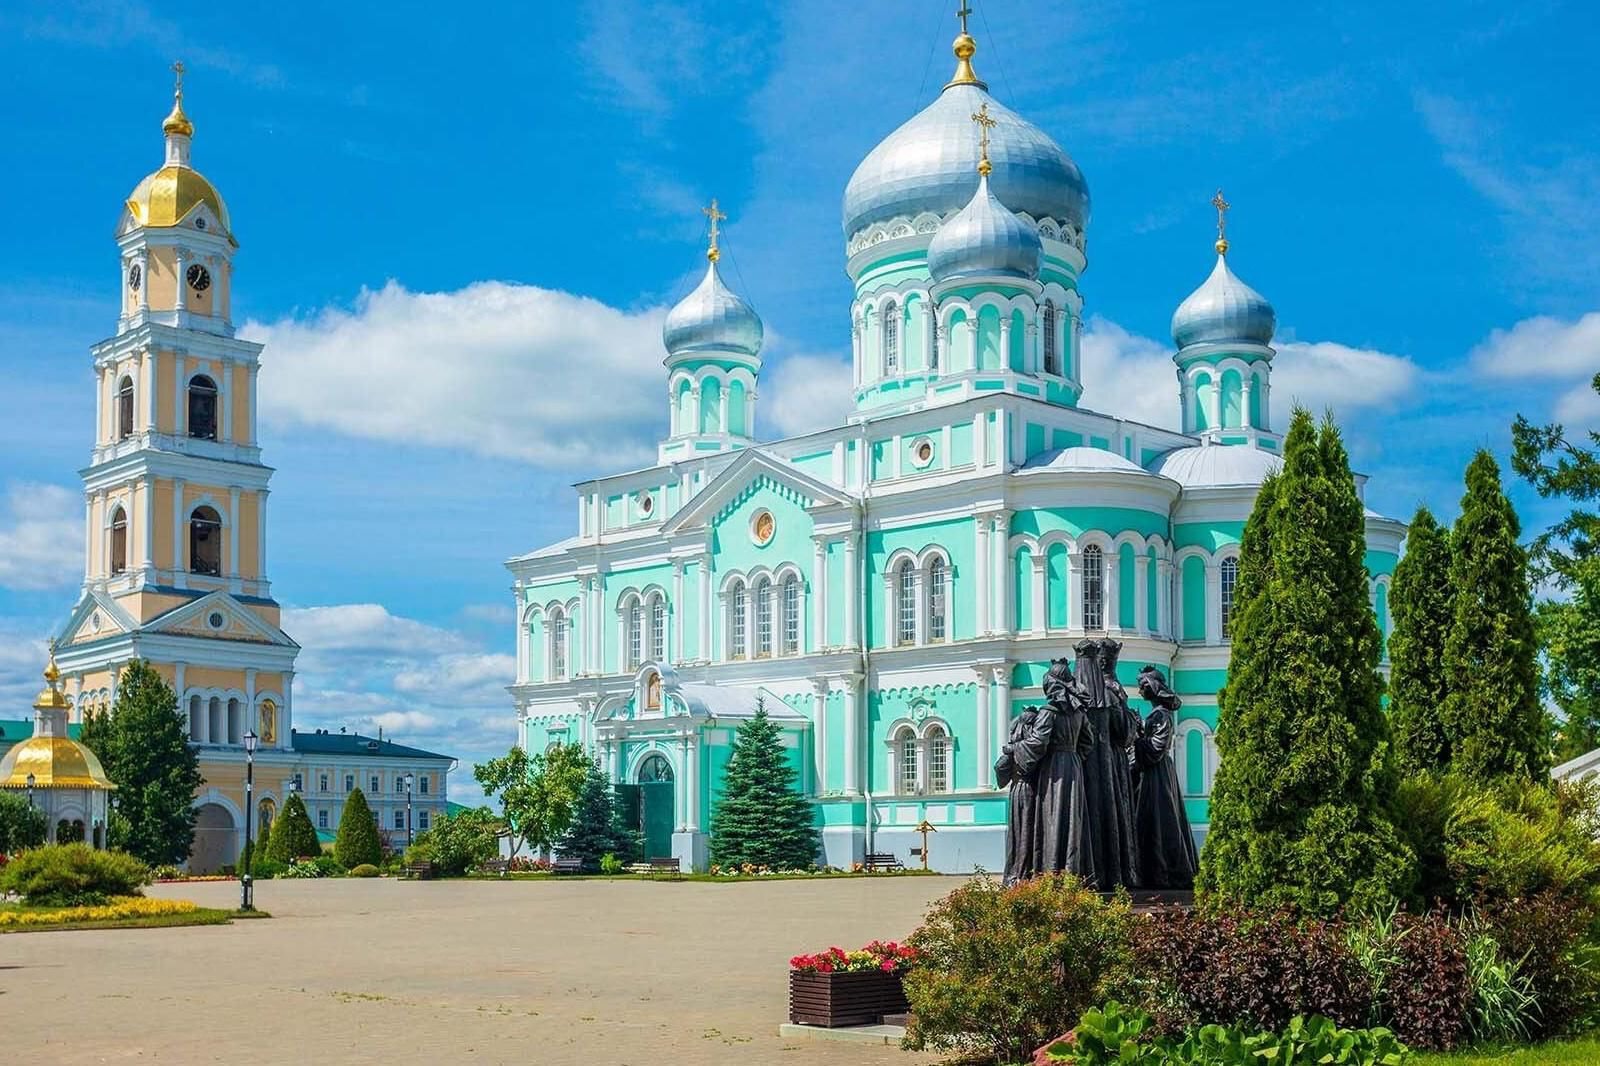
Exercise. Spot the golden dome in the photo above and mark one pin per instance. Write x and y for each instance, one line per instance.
(176, 121)
(166, 197)
(54, 762)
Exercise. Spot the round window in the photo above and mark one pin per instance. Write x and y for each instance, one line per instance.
(215, 620)
(647, 503)
(762, 528)
(199, 223)
(922, 452)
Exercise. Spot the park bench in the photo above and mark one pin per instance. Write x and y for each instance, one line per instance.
(419, 871)
(496, 866)
(666, 866)
(567, 866)
(881, 860)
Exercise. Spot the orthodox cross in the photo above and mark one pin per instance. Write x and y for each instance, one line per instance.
(1222, 220)
(985, 123)
(962, 15)
(716, 216)
(177, 68)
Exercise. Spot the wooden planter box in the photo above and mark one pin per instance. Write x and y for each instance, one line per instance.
(839, 999)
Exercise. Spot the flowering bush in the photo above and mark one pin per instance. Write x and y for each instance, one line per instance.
(129, 907)
(884, 956)
(524, 864)
(302, 868)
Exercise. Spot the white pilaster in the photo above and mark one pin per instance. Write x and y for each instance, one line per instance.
(819, 732)
(147, 522)
(675, 650)
(985, 717)
(286, 720)
(818, 600)
(180, 411)
(1141, 592)
(148, 388)
(100, 409)
(1000, 721)
(984, 558)
(1040, 610)
(255, 373)
(703, 567)
(1163, 621)
(852, 593)
(852, 733)
(1005, 612)
(1075, 589)
(233, 532)
(1111, 579)
(1213, 603)
(225, 401)
(88, 537)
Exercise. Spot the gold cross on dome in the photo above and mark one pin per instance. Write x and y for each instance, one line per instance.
(716, 216)
(962, 15)
(986, 122)
(177, 68)
(1222, 215)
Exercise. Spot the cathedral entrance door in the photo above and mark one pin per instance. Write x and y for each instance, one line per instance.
(655, 807)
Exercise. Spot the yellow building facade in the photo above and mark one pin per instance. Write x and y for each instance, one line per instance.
(175, 502)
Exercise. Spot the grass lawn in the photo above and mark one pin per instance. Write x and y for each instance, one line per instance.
(1584, 1051)
(197, 916)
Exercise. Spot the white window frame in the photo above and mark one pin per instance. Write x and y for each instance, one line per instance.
(1227, 591)
(891, 339)
(905, 591)
(1093, 579)
(791, 614)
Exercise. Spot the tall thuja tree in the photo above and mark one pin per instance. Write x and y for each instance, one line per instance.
(1299, 812)
(1496, 725)
(292, 834)
(762, 819)
(143, 744)
(357, 841)
(1420, 604)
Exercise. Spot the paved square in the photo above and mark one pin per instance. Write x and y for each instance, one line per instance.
(483, 971)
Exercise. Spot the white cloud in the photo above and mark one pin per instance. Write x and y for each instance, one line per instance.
(41, 537)
(509, 371)
(1542, 347)
(1128, 375)
(805, 392)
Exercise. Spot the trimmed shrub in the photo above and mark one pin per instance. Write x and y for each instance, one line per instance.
(72, 875)
(357, 841)
(366, 869)
(264, 869)
(292, 834)
(1257, 970)
(999, 970)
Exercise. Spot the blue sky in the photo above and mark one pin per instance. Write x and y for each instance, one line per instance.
(460, 230)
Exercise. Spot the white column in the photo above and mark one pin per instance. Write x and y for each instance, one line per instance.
(674, 650)
(88, 537)
(178, 676)
(286, 718)
(1111, 576)
(1141, 592)
(1000, 721)
(249, 710)
(1007, 587)
(1266, 403)
(1005, 341)
(182, 295)
(233, 532)
(929, 341)
(1075, 589)
(692, 759)
(818, 600)
(261, 534)
(1213, 603)
(255, 372)
(225, 431)
(919, 596)
(852, 734)
(100, 410)
(147, 521)
(177, 527)
(852, 593)
(1041, 604)
(180, 414)
(682, 781)
(613, 759)
(148, 389)
(982, 557)
(704, 650)
(819, 731)
(144, 281)
(1162, 623)
(985, 718)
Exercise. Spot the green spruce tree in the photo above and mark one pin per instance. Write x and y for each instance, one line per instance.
(357, 840)
(1421, 605)
(1495, 724)
(1299, 810)
(292, 834)
(143, 745)
(596, 829)
(761, 819)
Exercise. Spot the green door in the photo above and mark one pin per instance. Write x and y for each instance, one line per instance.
(655, 807)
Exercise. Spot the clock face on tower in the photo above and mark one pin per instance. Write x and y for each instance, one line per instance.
(135, 276)
(199, 278)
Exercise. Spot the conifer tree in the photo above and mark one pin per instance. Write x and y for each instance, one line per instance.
(761, 818)
(1420, 602)
(143, 745)
(1298, 813)
(1495, 723)
(292, 834)
(357, 841)
(596, 828)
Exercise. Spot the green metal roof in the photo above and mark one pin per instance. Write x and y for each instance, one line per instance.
(320, 743)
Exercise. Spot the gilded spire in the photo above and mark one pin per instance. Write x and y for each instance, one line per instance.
(1222, 222)
(985, 123)
(52, 698)
(713, 253)
(177, 122)
(964, 48)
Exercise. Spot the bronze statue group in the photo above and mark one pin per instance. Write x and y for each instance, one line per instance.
(1094, 790)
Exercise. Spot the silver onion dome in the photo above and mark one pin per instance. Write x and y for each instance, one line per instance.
(927, 164)
(712, 318)
(984, 238)
(1223, 310)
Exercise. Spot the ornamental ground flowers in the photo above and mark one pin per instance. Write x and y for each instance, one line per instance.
(885, 956)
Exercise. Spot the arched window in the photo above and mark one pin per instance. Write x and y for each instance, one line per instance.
(202, 407)
(658, 628)
(1052, 362)
(205, 541)
(791, 615)
(1094, 588)
(125, 409)
(558, 644)
(633, 620)
(906, 603)
(119, 542)
(905, 760)
(938, 742)
(936, 608)
(736, 607)
(891, 338)
(763, 593)
(1230, 581)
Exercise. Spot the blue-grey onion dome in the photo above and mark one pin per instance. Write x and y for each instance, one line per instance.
(984, 239)
(1223, 310)
(927, 165)
(712, 318)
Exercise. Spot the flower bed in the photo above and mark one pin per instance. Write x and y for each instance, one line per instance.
(130, 907)
(837, 988)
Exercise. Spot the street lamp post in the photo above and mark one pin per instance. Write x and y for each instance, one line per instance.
(409, 838)
(30, 791)
(246, 884)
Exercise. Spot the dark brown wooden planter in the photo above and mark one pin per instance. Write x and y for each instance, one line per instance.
(839, 999)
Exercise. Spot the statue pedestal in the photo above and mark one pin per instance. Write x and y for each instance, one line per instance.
(690, 849)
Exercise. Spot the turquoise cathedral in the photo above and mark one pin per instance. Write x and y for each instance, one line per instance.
(893, 589)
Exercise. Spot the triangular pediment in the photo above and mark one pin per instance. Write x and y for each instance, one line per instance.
(753, 470)
(96, 617)
(218, 616)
